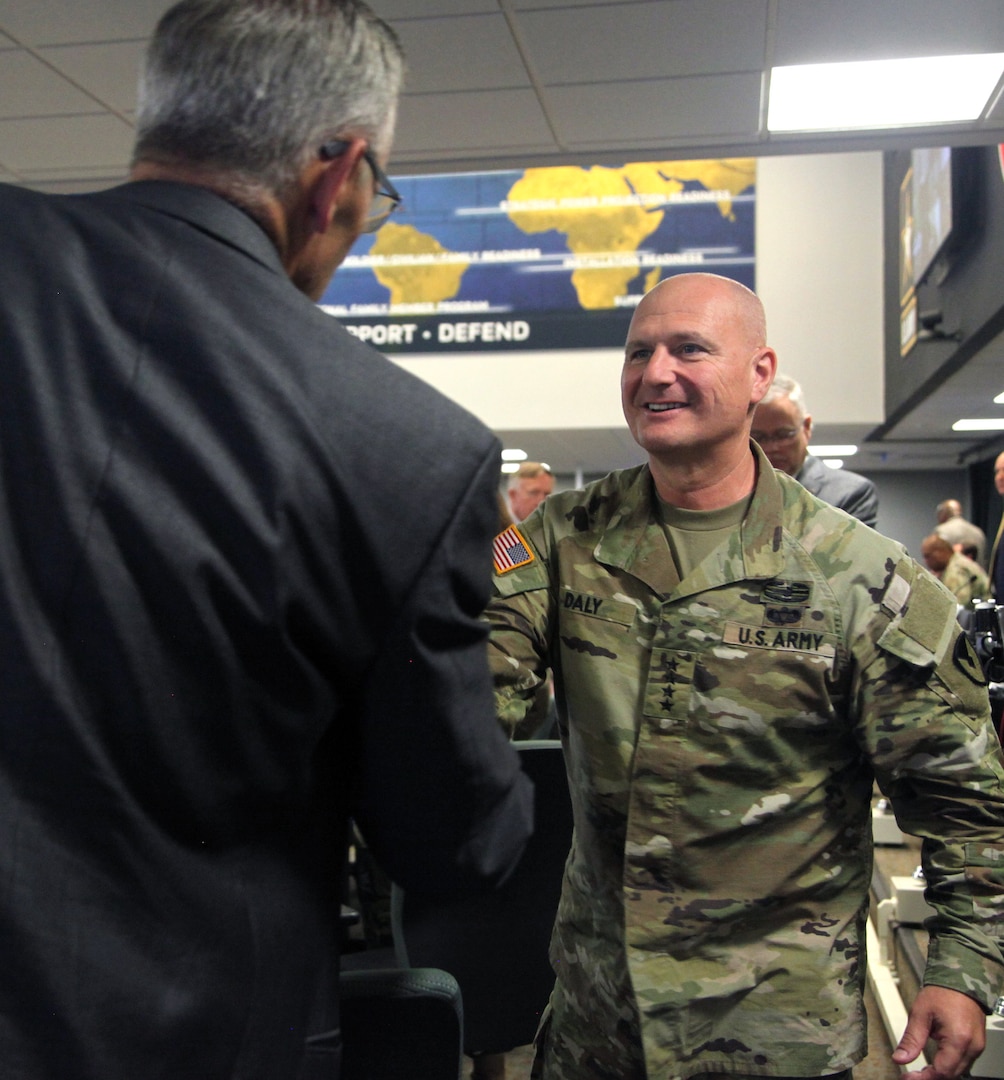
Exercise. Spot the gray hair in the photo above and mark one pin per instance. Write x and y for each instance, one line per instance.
(784, 386)
(252, 88)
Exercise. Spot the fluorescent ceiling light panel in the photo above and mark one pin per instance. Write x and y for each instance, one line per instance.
(514, 455)
(999, 399)
(881, 93)
(834, 463)
(835, 450)
(979, 425)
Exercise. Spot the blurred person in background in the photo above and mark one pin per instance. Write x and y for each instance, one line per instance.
(783, 428)
(996, 564)
(963, 535)
(527, 488)
(965, 579)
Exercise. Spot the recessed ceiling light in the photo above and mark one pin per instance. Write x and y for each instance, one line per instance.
(979, 425)
(836, 450)
(999, 399)
(881, 93)
(833, 463)
(514, 455)
(510, 467)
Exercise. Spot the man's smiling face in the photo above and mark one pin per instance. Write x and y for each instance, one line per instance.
(693, 368)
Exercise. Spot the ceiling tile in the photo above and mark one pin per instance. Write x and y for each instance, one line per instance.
(481, 51)
(109, 72)
(63, 142)
(821, 31)
(644, 40)
(394, 11)
(56, 22)
(519, 5)
(447, 125)
(30, 88)
(699, 107)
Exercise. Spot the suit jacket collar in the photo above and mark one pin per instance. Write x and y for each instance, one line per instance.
(208, 211)
(812, 474)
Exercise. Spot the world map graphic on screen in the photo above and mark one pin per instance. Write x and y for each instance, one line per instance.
(541, 258)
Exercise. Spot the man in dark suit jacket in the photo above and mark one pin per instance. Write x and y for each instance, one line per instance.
(242, 563)
(997, 550)
(783, 428)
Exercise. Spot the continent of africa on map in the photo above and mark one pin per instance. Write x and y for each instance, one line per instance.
(605, 214)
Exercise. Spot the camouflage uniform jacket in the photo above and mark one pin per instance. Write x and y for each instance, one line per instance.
(721, 736)
(965, 580)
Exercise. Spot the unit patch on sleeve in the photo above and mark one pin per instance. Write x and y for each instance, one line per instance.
(968, 662)
(510, 551)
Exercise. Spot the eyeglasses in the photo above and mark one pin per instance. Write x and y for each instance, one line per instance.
(776, 438)
(386, 198)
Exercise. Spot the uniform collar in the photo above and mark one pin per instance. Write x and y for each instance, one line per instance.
(634, 540)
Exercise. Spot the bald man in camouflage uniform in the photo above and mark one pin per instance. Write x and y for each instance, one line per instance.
(735, 661)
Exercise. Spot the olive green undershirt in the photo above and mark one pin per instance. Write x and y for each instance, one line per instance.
(694, 534)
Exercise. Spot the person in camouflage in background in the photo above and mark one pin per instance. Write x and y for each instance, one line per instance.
(735, 662)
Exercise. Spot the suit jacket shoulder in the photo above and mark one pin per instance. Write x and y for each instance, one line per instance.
(842, 488)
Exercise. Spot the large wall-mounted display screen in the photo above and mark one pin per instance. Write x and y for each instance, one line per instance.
(541, 258)
(931, 182)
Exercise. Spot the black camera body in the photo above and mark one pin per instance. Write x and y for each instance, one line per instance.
(986, 632)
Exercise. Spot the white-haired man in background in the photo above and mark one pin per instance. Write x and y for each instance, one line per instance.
(783, 427)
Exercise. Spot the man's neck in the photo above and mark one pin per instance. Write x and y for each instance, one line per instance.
(264, 208)
(286, 222)
(705, 485)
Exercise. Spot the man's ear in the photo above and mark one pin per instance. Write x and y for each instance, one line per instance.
(807, 422)
(764, 370)
(329, 183)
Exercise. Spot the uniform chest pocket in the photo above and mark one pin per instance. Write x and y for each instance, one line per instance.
(592, 606)
(758, 679)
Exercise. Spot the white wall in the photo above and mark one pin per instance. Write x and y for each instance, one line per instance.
(819, 272)
(552, 390)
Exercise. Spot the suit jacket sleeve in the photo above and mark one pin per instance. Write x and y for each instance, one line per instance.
(430, 740)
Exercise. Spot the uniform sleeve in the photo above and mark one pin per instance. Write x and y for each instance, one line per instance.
(442, 799)
(519, 616)
(925, 723)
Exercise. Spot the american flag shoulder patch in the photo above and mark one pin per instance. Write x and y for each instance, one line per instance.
(510, 551)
